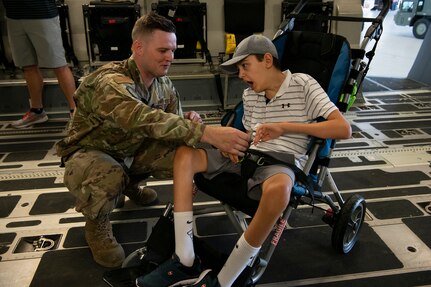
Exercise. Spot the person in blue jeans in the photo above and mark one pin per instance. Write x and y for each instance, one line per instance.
(279, 112)
(34, 34)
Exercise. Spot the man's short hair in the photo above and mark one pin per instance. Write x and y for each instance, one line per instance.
(150, 22)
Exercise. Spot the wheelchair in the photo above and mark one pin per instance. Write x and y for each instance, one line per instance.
(340, 71)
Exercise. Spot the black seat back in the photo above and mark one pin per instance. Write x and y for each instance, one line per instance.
(325, 57)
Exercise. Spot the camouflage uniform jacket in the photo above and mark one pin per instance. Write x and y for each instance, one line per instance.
(117, 114)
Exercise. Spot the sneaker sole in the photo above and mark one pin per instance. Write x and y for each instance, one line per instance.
(39, 121)
(197, 280)
(184, 282)
(179, 283)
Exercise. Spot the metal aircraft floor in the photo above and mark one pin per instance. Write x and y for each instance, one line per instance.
(387, 161)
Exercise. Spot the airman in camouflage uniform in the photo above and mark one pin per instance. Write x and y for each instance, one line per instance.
(127, 125)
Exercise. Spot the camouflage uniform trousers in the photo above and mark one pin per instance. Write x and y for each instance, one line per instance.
(97, 180)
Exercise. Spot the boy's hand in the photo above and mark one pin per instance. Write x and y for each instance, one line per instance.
(265, 132)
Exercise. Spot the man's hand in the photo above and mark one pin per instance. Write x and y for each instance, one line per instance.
(193, 116)
(226, 139)
(232, 157)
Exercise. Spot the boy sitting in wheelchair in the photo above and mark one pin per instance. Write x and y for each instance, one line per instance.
(279, 112)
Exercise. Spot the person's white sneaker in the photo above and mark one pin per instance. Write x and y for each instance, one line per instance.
(30, 118)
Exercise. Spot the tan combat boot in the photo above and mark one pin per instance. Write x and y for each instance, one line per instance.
(104, 247)
(140, 194)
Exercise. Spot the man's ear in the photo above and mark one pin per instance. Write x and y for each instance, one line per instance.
(137, 46)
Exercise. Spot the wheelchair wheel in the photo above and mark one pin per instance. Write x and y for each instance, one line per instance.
(348, 224)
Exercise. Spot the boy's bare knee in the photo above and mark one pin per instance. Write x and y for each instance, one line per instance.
(183, 153)
(190, 158)
(278, 194)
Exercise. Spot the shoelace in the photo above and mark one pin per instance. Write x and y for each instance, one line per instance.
(102, 227)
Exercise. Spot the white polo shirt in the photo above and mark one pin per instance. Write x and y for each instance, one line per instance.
(300, 99)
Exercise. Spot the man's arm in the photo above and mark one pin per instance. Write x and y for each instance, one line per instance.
(144, 121)
(335, 127)
(221, 137)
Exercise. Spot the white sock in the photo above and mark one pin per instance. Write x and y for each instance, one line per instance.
(239, 258)
(183, 224)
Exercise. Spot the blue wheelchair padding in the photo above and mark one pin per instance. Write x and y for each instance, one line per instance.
(233, 118)
(340, 73)
(325, 147)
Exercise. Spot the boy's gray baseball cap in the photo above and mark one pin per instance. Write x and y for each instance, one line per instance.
(252, 45)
